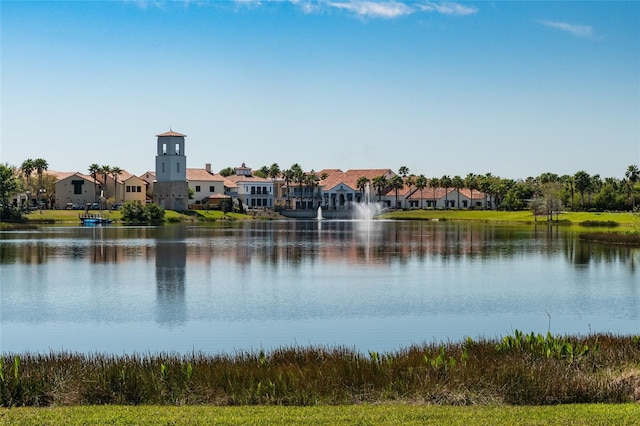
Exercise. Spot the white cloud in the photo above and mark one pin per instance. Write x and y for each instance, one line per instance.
(373, 9)
(576, 30)
(447, 8)
(385, 9)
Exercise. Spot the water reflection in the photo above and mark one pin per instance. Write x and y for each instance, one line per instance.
(371, 285)
(297, 241)
(171, 272)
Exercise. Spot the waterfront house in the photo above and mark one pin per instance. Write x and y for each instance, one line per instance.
(253, 191)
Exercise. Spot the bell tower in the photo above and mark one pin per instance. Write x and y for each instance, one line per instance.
(170, 190)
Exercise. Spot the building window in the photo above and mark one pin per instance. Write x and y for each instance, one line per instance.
(128, 188)
(197, 188)
(139, 189)
(77, 186)
(253, 189)
(212, 189)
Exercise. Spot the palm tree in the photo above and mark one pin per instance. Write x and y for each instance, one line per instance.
(403, 171)
(633, 175)
(396, 183)
(457, 183)
(380, 183)
(594, 186)
(288, 176)
(104, 170)
(27, 169)
(274, 173)
(41, 165)
(434, 183)
(485, 186)
(94, 169)
(361, 184)
(421, 184)
(312, 180)
(581, 180)
(115, 172)
(471, 182)
(410, 181)
(445, 182)
(298, 177)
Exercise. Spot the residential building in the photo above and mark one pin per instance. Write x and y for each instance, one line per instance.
(253, 191)
(207, 187)
(75, 190)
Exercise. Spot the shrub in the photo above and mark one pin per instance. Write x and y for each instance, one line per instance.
(133, 212)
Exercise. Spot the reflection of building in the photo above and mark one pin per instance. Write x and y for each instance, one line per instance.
(171, 262)
(170, 190)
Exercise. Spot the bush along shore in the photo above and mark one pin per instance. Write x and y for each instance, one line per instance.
(518, 369)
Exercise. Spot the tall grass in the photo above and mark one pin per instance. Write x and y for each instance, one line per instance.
(518, 369)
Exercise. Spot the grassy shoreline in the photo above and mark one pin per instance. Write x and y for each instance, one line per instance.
(519, 369)
(588, 220)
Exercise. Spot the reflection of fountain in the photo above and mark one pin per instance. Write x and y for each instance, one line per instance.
(319, 215)
(367, 210)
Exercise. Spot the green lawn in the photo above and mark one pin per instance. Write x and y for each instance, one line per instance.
(383, 414)
(575, 218)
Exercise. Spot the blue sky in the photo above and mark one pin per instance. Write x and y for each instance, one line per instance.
(512, 88)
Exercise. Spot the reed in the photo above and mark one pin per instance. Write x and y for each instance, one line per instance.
(517, 369)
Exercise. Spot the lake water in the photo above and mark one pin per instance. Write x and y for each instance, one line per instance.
(379, 285)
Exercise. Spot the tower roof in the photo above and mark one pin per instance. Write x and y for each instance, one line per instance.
(170, 133)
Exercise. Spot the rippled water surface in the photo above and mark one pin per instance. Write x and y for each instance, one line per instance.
(370, 286)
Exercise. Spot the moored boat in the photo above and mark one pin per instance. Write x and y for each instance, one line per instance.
(94, 219)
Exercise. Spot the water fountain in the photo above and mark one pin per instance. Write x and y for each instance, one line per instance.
(366, 210)
(319, 215)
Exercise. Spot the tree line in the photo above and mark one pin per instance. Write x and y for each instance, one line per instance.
(578, 192)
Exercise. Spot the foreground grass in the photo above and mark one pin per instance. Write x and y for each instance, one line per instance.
(523, 369)
(388, 414)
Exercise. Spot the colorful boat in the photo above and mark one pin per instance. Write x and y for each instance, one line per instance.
(94, 219)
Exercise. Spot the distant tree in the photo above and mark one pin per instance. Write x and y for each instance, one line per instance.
(274, 173)
(133, 212)
(298, 177)
(379, 183)
(582, 181)
(288, 177)
(421, 184)
(262, 172)
(227, 171)
(471, 182)
(94, 169)
(594, 187)
(409, 182)
(396, 183)
(446, 182)
(403, 171)
(27, 169)
(484, 184)
(41, 165)
(632, 175)
(312, 181)
(434, 183)
(458, 184)
(115, 172)
(9, 187)
(361, 183)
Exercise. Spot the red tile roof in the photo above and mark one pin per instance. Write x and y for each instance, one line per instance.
(350, 178)
(170, 133)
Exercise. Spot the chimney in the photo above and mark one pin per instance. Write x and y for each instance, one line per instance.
(208, 167)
